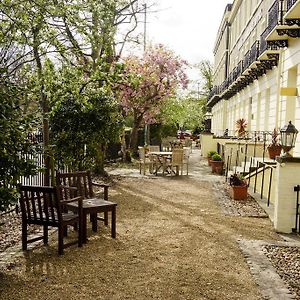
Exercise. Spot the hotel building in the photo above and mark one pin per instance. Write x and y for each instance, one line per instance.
(257, 78)
(257, 67)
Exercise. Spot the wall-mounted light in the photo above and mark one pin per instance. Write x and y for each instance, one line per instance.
(207, 121)
(288, 134)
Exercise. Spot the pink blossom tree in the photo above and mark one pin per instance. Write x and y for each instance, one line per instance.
(148, 82)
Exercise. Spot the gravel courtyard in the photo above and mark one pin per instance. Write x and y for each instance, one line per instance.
(174, 241)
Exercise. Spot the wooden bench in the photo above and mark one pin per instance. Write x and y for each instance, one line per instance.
(44, 206)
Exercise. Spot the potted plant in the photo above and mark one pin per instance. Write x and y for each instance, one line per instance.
(239, 187)
(274, 148)
(217, 164)
(209, 155)
(241, 125)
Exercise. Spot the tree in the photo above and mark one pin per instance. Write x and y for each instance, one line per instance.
(206, 74)
(14, 144)
(148, 82)
(82, 121)
(83, 34)
(185, 112)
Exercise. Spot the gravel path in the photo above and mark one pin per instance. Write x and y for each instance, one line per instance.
(174, 241)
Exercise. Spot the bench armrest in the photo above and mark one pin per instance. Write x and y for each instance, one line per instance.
(105, 186)
(74, 188)
(78, 199)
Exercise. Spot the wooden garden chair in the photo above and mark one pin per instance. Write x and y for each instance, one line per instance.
(144, 161)
(44, 206)
(186, 157)
(93, 203)
(176, 161)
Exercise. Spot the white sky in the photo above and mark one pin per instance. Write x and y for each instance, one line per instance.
(188, 27)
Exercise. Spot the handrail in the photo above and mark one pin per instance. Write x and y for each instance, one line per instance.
(239, 153)
(262, 170)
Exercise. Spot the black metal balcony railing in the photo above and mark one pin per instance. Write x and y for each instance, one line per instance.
(246, 61)
(254, 52)
(239, 69)
(289, 4)
(275, 14)
(275, 17)
(263, 45)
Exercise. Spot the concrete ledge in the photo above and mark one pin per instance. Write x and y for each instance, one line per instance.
(263, 203)
(281, 159)
(271, 286)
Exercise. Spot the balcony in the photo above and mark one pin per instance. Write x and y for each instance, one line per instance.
(283, 24)
(243, 74)
(253, 55)
(292, 16)
(283, 21)
(269, 50)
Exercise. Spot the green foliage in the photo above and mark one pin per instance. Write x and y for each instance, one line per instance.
(206, 73)
(211, 153)
(216, 157)
(185, 112)
(81, 37)
(168, 130)
(14, 144)
(237, 179)
(84, 118)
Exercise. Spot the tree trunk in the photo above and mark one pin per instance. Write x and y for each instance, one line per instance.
(44, 106)
(134, 133)
(99, 159)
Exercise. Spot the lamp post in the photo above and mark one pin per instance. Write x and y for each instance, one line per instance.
(207, 121)
(288, 134)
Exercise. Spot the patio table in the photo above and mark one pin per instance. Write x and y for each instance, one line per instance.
(160, 157)
(92, 206)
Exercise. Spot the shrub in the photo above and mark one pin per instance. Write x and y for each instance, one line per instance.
(216, 157)
(15, 147)
(211, 153)
(274, 141)
(237, 180)
(241, 125)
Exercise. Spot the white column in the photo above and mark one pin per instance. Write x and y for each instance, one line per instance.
(287, 176)
(207, 143)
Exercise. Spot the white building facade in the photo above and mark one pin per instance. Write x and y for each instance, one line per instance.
(257, 67)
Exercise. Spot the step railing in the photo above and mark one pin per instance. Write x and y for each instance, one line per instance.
(261, 168)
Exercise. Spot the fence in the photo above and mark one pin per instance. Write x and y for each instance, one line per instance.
(35, 138)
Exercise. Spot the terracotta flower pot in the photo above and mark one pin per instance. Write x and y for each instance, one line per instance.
(217, 166)
(208, 161)
(239, 192)
(274, 151)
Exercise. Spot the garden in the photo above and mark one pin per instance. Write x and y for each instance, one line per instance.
(75, 97)
(68, 82)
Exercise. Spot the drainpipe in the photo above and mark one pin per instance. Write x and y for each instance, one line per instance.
(227, 57)
(278, 117)
(227, 60)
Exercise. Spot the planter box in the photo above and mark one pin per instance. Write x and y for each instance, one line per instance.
(239, 192)
(217, 166)
(208, 161)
